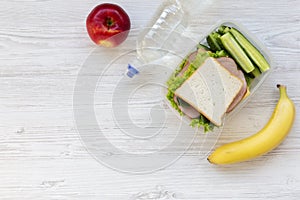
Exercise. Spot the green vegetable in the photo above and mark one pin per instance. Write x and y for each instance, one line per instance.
(250, 50)
(203, 47)
(202, 121)
(223, 29)
(175, 82)
(221, 53)
(249, 80)
(170, 97)
(232, 46)
(199, 60)
(181, 66)
(218, 54)
(255, 73)
(213, 41)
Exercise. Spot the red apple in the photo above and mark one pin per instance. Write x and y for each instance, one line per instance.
(108, 25)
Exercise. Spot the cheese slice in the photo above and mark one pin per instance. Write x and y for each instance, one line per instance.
(210, 90)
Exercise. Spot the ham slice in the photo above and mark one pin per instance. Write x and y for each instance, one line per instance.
(187, 109)
(231, 66)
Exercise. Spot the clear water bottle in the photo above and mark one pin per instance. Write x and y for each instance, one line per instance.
(165, 34)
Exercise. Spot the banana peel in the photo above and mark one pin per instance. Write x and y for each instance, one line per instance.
(268, 138)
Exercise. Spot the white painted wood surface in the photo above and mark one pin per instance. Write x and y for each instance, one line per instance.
(43, 44)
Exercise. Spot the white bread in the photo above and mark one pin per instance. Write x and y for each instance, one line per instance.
(210, 90)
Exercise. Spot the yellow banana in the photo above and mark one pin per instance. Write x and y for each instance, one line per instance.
(269, 137)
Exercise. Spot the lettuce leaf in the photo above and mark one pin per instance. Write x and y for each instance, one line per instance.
(202, 122)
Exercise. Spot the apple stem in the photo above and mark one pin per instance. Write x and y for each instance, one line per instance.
(109, 22)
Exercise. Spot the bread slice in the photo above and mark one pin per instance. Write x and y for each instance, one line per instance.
(210, 90)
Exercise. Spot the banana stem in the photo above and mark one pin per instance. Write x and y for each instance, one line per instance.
(282, 90)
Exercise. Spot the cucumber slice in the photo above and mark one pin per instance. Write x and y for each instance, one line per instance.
(236, 51)
(255, 72)
(250, 50)
(223, 29)
(212, 41)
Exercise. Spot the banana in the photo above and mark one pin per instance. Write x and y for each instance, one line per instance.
(269, 137)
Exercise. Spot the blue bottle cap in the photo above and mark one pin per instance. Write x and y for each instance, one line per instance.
(131, 71)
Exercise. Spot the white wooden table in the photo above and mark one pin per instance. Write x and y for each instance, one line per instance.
(43, 44)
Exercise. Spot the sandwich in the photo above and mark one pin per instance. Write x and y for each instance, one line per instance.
(205, 88)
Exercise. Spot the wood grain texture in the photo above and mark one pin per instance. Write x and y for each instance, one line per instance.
(43, 44)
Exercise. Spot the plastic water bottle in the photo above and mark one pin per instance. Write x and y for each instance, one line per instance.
(164, 33)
